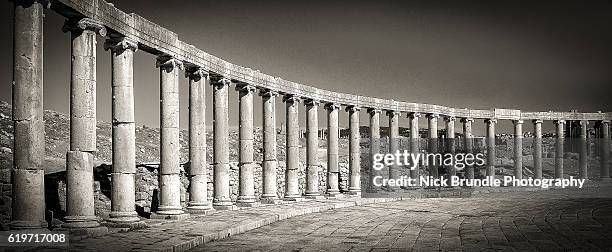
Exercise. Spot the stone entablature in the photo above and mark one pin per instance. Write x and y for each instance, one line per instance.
(157, 40)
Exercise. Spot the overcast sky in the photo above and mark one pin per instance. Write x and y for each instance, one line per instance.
(513, 54)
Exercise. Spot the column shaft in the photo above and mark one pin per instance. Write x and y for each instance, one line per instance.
(537, 149)
(292, 148)
(560, 128)
(354, 151)
(415, 139)
(27, 175)
(605, 150)
(312, 148)
(270, 162)
(374, 146)
(584, 155)
(518, 149)
(490, 147)
(394, 172)
(450, 143)
(469, 144)
(123, 191)
(433, 144)
(79, 160)
(169, 170)
(221, 170)
(198, 168)
(246, 185)
(333, 171)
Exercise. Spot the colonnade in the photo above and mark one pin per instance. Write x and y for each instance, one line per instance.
(28, 170)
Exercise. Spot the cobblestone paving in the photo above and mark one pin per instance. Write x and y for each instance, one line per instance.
(552, 220)
(186, 234)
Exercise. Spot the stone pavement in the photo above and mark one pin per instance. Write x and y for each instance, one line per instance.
(551, 220)
(186, 234)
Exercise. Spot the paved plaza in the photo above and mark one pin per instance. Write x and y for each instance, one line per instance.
(551, 220)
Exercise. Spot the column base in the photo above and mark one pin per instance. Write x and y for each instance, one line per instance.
(296, 198)
(159, 216)
(315, 196)
(199, 208)
(354, 192)
(224, 205)
(271, 200)
(169, 210)
(246, 199)
(125, 220)
(87, 232)
(73, 222)
(17, 225)
(334, 195)
(131, 225)
(248, 204)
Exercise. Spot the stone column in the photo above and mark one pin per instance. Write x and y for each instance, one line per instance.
(79, 159)
(123, 190)
(27, 174)
(450, 142)
(518, 149)
(491, 147)
(560, 124)
(198, 168)
(394, 144)
(170, 147)
(246, 185)
(333, 172)
(433, 143)
(354, 151)
(221, 170)
(584, 155)
(312, 149)
(469, 144)
(415, 137)
(270, 163)
(292, 190)
(374, 145)
(605, 150)
(537, 148)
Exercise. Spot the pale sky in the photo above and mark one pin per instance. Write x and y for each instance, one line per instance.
(539, 56)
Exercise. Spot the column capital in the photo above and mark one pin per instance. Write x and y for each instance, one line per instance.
(584, 122)
(537, 121)
(559, 121)
(45, 3)
(291, 98)
(490, 121)
(332, 106)
(517, 122)
(220, 83)
(168, 62)
(120, 44)
(604, 121)
(374, 111)
(393, 113)
(467, 119)
(433, 115)
(268, 93)
(196, 73)
(414, 115)
(353, 108)
(450, 118)
(245, 88)
(312, 102)
(77, 26)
